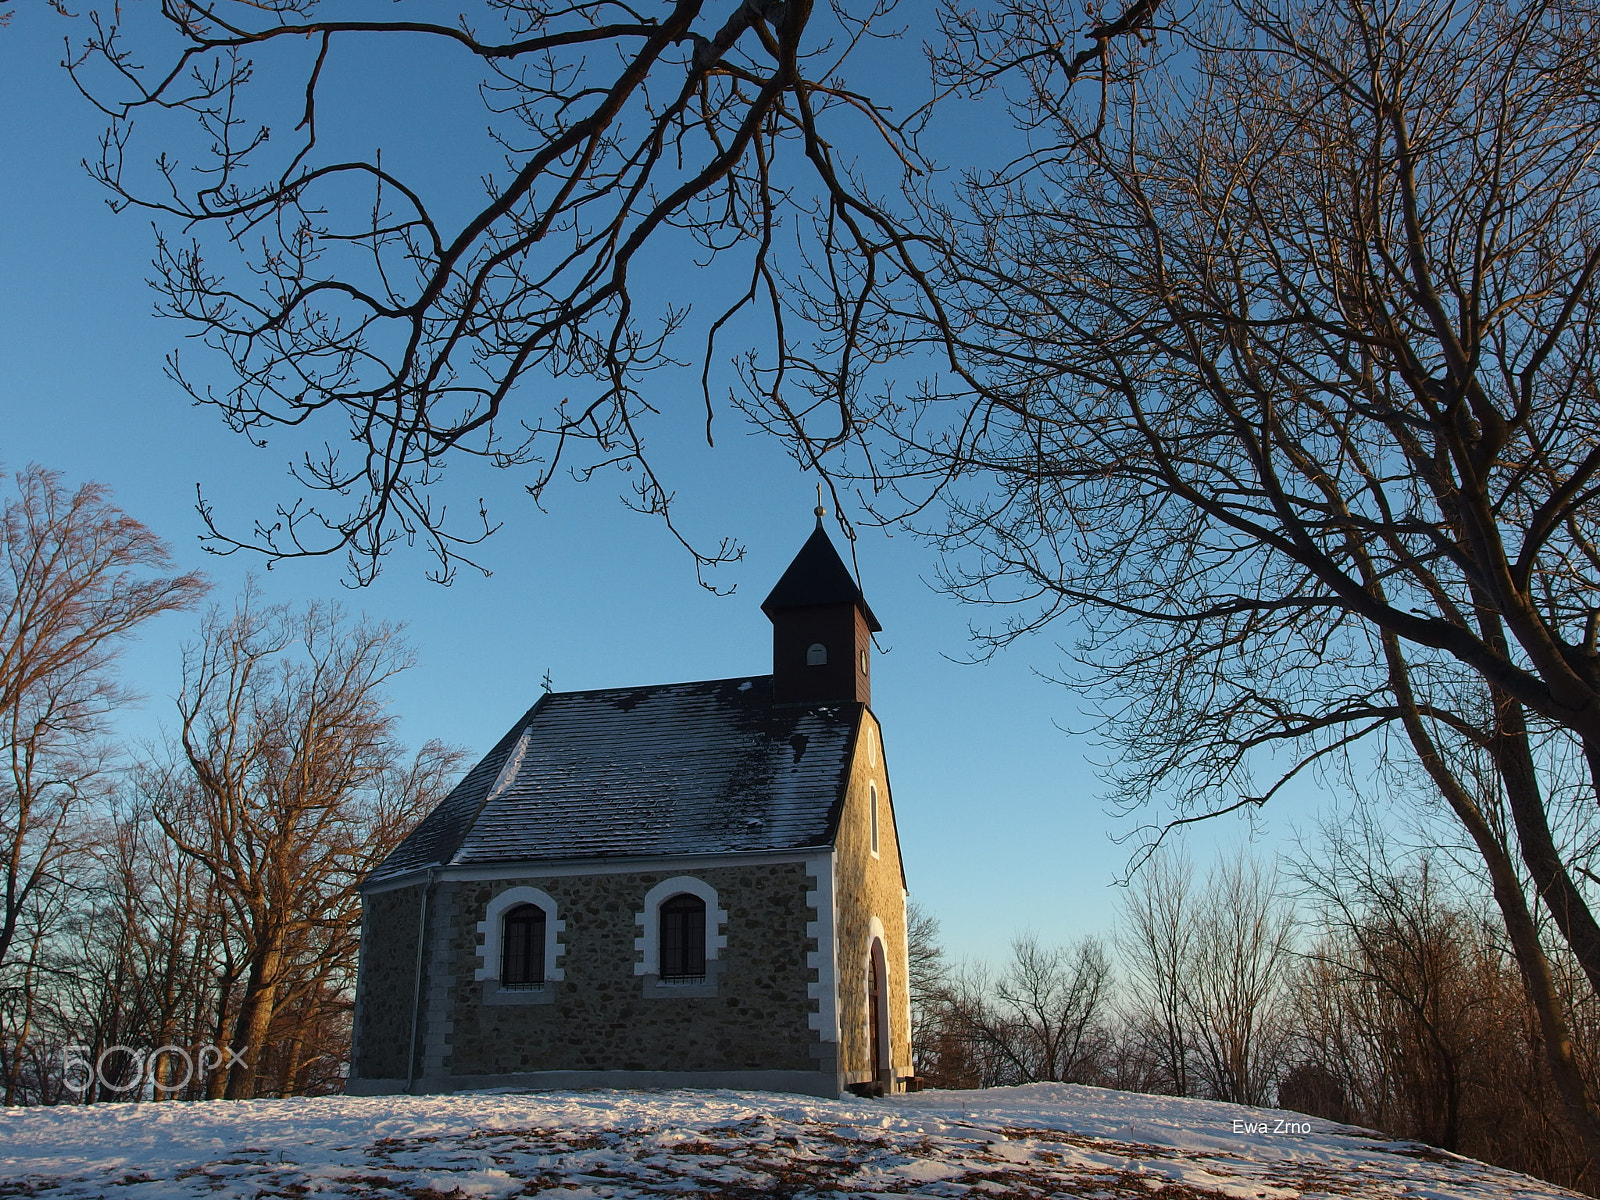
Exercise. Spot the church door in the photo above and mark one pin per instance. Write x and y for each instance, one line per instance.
(877, 1013)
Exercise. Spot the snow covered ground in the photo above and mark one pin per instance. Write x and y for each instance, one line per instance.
(1037, 1141)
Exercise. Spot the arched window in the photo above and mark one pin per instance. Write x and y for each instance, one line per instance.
(522, 948)
(872, 795)
(683, 938)
(680, 940)
(816, 655)
(519, 950)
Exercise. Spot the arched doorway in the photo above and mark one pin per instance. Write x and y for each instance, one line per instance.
(878, 1015)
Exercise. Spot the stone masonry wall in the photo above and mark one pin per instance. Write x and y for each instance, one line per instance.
(600, 1017)
(870, 887)
(384, 995)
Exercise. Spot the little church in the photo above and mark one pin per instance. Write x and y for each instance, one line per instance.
(675, 885)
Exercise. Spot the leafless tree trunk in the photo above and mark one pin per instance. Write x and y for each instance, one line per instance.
(1492, 842)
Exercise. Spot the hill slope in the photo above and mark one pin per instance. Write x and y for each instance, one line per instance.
(1037, 1141)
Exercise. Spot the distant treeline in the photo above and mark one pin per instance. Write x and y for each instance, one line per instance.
(1353, 987)
(201, 895)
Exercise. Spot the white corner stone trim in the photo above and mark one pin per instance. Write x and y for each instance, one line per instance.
(823, 959)
(493, 925)
(648, 943)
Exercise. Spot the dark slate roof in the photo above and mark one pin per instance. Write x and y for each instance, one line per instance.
(674, 769)
(818, 576)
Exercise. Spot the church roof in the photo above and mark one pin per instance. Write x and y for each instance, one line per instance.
(818, 576)
(674, 769)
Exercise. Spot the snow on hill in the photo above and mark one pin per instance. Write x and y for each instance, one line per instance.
(1037, 1141)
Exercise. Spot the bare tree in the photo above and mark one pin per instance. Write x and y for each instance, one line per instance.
(1277, 361)
(1410, 1015)
(1156, 941)
(290, 787)
(1206, 970)
(1398, 964)
(1243, 946)
(928, 968)
(1040, 1019)
(77, 577)
(1054, 1000)
(727, 134)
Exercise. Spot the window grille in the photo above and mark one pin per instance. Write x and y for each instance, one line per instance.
(522, 949)
(683, 939)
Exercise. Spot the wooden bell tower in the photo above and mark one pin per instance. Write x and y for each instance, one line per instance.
(821, 629)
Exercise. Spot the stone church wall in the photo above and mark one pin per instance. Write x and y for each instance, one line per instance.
(600, 1017)
(870, 887)
(387, 983)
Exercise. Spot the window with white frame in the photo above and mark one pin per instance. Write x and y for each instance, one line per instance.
(680, 938)
(521, 943)
(872, 803)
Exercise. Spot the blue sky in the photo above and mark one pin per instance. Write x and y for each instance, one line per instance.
(998, 806)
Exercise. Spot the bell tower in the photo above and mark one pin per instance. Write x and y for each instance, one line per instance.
(821, 629)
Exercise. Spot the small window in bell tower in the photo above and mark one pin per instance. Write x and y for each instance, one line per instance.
(816, 655)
